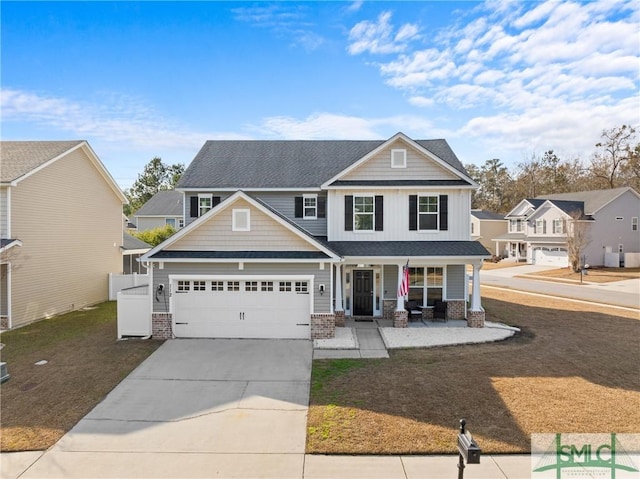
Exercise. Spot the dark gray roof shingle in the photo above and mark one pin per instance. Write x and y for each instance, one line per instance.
(163, 203)
(486, 215)
(131, 242)
(593, 200)
(408, 249)
(285, 164)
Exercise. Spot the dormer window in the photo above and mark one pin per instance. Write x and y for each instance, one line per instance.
(398, 158)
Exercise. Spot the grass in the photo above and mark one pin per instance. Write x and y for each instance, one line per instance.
(84, 362)
(594, 275)
(573, 368)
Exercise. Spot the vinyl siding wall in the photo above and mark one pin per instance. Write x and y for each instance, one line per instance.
(396, 217)
(492, 229)
(321, 304)
(379, 167)
(150, 222)
(70, 223)
(282, 202)
(609, 232)
(455, 278)
(4, 209)
(217, 235)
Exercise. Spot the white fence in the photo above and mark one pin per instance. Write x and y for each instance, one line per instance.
(118, 282)
(134, 312)
(631, 260)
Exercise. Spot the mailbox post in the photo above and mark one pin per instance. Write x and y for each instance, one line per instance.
(468, 449)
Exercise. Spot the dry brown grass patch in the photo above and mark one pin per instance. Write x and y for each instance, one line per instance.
(574, 368)
(594, 275)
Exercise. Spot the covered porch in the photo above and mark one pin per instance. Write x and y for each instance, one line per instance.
(369, 287)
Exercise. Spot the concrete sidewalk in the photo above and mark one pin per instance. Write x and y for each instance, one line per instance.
(296, 466)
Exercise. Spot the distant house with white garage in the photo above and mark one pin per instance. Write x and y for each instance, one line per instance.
(538, 228)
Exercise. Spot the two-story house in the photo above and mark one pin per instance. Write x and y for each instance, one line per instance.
(538, 228)
(164, 208)
(283, 239)
(60, 227)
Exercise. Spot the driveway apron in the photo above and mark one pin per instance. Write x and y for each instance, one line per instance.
(196, 408)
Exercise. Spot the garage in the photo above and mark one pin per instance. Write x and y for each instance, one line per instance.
(241, 307)
(544, 256)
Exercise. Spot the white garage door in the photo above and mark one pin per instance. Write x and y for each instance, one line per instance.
(241, 308)
(550, 257)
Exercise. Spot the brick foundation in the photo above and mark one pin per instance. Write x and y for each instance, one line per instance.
(340, 319)
(323, 326)
(161, 326)
(400, 319)
(4, 323)
(389, 308)
(456, 309)
(475, 319)
(427, 313)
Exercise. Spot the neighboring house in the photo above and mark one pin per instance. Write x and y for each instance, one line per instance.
(164, 208)
(132, 250)
(538, 228)
(61, 229)
(486, 225)
(285, 238)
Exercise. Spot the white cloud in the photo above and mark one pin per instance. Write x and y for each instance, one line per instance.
(377, 37)
(542, 72)
(336, 126)
(113, 119)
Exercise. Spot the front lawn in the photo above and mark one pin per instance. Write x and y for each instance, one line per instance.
(574, 368)
(593, 275)
(84, 362)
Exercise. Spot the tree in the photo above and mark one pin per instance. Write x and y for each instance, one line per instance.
(577, 239)
(156, 176)
(155, 236)
(616, 153)
(496, 187)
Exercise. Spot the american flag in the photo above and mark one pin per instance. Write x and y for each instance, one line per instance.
(403, 289)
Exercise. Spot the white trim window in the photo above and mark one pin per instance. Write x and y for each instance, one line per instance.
(426, 285)
(634, 223)
(516, 226)
(180, 223)
(241, 220)
(363, 213)
(540, 227)
(398, 158)
(205, 203)
(170, 222)
(558, 226)
(310, 207)
(428, 213)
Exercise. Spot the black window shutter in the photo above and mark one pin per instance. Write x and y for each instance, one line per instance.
(194, 207)
(413, 212)
(544, 227)
(298, 207)
(444, 212)
(215, 201)
(348, 213)
(379, 219)
(322, 207)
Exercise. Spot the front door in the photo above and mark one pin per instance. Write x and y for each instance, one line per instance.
(363, 293)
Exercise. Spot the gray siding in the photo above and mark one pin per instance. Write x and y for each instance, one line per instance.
(456, 276)
(322, 304)
(4, 224)
(390, 278)
(282, 202)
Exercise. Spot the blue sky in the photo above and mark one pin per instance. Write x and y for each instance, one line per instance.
(497, 79)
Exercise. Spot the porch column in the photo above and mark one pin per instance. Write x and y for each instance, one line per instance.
(400, 299)
(475, 298)
(339, 306)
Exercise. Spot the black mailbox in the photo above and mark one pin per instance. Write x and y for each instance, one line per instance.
(468, 448)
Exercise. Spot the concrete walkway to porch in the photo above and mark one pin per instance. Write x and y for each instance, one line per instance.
(372, 338)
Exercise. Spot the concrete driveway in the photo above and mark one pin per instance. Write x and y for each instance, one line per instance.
(196, 408)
